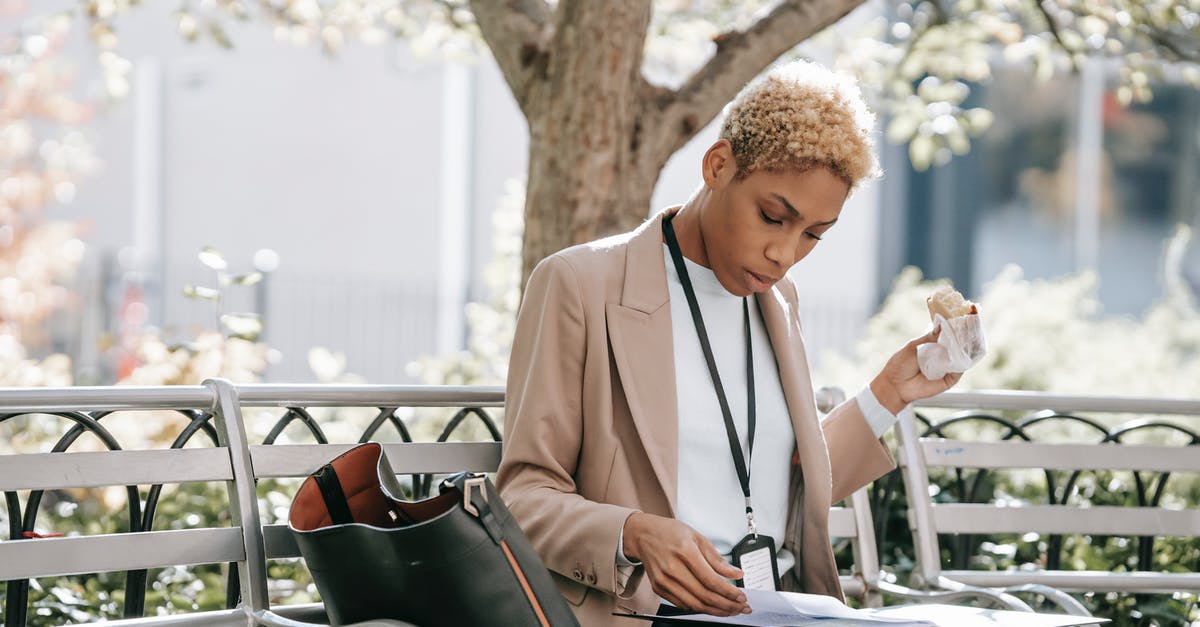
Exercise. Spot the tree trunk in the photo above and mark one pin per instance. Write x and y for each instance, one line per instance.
(599, 133)
(566, 205)
(588, 175)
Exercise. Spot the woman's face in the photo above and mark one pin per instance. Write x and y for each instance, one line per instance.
(756, 228)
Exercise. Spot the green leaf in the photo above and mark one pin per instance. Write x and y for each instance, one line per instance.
(902, 127)
(201, 293)
(929, 89)
(187, 25)
(237, 9)
(978, 120)
(920, 152)
(958, 142)
(1191, 74)
(1124, 95)
(332, 40)
(218, 35)
(1071, 40)
(245, 325)
(181, 601)
(212, 258)
(248, 279)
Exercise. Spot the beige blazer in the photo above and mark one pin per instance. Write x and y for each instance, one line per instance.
(591, 429)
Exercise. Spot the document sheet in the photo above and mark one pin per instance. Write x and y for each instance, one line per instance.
(787, 609)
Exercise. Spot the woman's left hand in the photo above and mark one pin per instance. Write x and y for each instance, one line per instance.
(901, 382)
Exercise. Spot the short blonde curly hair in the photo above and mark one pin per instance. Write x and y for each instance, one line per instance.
(799, 116)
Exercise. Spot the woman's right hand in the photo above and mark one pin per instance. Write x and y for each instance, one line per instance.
(683, 566)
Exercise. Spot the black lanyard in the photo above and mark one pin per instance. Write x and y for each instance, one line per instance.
(735, 446)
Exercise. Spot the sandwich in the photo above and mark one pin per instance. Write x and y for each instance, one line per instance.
(949, 303)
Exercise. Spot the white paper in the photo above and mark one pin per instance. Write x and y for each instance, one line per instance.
(959, 346)
(776, 609)
(962, 616)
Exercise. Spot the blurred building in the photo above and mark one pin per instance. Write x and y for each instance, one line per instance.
(1066, 180)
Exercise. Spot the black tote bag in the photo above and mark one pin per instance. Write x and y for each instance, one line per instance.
(455, 559)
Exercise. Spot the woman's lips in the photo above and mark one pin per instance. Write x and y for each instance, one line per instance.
(759, 282)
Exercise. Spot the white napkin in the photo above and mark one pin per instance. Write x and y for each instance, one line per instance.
(959, 346)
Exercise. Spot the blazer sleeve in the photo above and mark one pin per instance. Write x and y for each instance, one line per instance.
(543, 431)
(856, 456)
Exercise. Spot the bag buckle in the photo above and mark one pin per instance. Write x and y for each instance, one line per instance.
(473, 482)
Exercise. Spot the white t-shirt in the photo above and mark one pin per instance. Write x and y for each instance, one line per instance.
(710, 498)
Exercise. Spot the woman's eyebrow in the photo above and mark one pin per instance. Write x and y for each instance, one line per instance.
(790, 208)
(787, 204)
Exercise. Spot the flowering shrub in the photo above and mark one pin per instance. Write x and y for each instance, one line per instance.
(1047, 335)
(43, 153)
(1051, 335)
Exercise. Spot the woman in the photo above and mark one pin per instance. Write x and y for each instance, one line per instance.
(660, 413)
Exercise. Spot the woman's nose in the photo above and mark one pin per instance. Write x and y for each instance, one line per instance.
(783, 252)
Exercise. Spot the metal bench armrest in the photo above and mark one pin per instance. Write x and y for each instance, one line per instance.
(1006, 601)
(267, 618)
(1063, 600)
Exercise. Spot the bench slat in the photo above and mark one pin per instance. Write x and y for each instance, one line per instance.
(962, 454)
(214, 618)
(299, 460)
(1085, 580)
(842, 523)
(1059, 519)
(48, 557)
(43, 471)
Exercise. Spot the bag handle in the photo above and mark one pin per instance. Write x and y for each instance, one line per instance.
(334, 497)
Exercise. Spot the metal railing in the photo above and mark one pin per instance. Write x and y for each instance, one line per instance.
(214, 410)
(1062, 438)
(1036, 401)
(207, 409)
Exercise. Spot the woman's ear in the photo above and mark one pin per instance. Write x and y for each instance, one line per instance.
(718, 167)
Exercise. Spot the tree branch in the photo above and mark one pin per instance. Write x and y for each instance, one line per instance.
(517, 32)
(1052, 26)
(740, 56)
(450, 8)
(1168, 41)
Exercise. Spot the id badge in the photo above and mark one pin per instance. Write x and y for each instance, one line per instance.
(755, 555)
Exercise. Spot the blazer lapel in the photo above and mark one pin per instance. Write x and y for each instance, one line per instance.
(783, 328)
(818, 574)
(639, 330)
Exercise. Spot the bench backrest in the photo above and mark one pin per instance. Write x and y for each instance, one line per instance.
(1060, 515)
(215, 410)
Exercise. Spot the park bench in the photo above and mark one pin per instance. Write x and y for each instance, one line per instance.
(866, 582)
(928, 446)
(214, 411)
